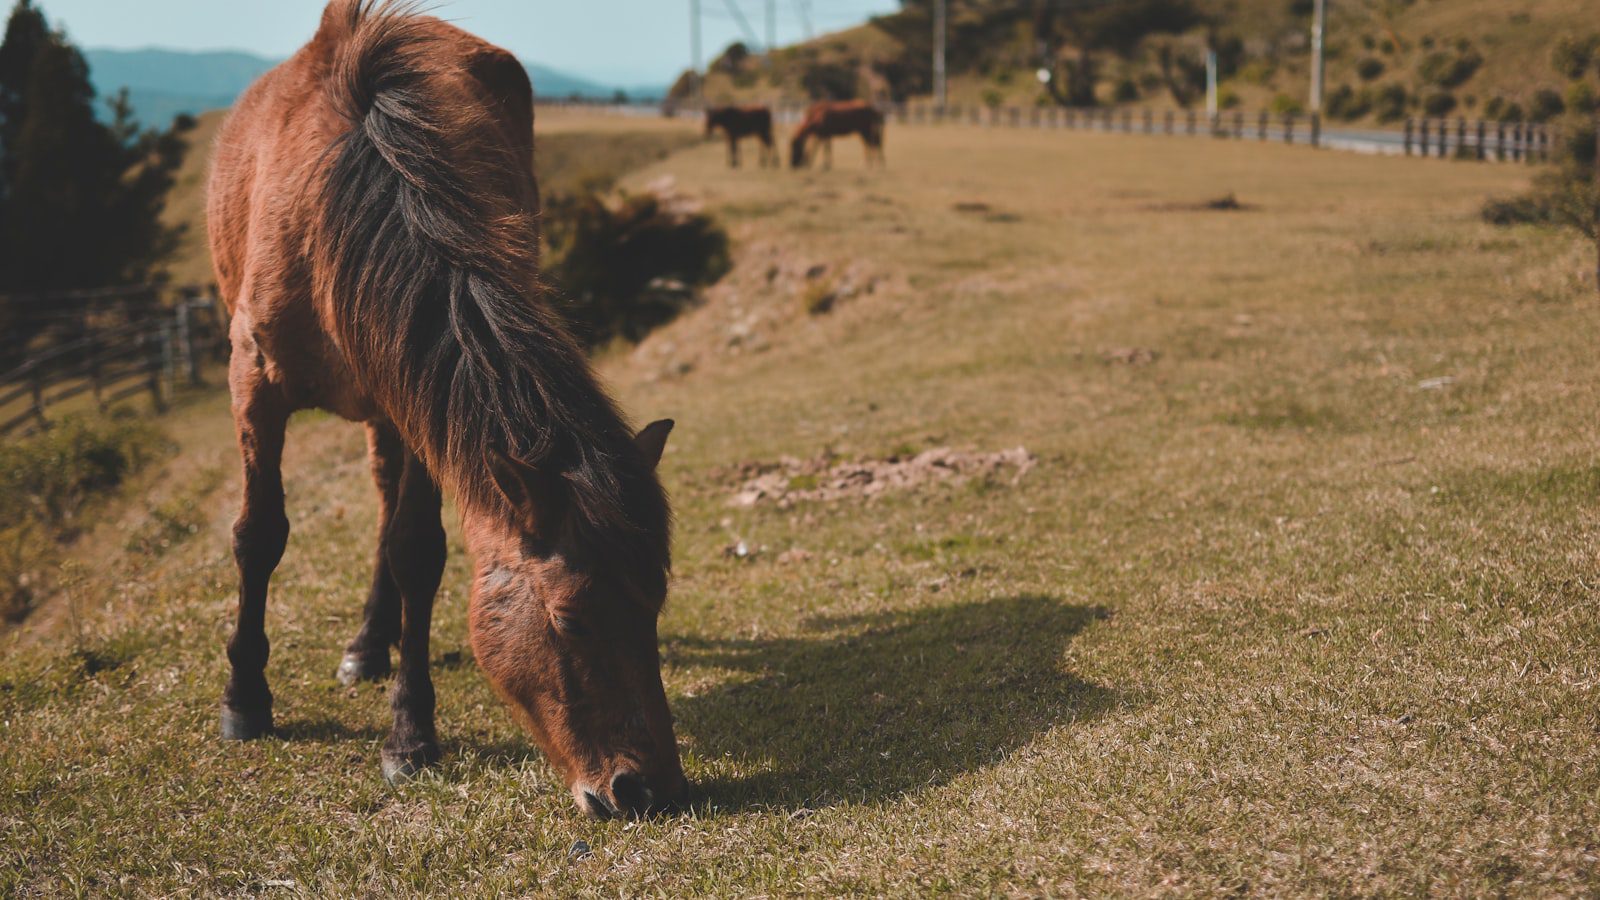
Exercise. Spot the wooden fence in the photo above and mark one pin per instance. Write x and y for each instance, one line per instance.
(121, 343)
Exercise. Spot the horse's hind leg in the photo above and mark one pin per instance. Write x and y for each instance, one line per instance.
(414, 543)
(260, 414)
(367, 656)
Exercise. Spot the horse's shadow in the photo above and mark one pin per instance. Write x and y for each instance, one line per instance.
(872, 707)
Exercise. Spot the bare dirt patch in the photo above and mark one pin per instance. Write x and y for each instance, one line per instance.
(827, 479)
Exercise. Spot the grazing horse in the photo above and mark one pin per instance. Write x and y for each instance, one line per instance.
(373, 217)
(828, 120)
(740, 122)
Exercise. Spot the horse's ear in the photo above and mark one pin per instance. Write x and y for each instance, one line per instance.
(532, 502)
(652, 440)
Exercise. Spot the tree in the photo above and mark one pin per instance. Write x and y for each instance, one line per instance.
(80, 199)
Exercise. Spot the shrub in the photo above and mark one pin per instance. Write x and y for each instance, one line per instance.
(1546, 105)
(1389, 103)
(1370, 69)
(1572, 56)
(1511, 113)
(1285, 105)
(1347, 103)
(47, 480)
(1126, 92)
(1448, 70)
(1228, 98)
(1581, 97)
(1440, 103)
(630, 265)
(829, 81)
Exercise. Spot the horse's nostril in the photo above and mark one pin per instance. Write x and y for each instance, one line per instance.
(596, 806)
(630, 793)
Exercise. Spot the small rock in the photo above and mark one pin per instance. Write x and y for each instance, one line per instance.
(580, 850)
(1434, 384)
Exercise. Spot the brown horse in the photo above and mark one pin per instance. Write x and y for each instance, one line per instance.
(740, 122)
(373, 218)
(827, 120)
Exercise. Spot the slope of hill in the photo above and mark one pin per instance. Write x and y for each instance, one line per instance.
(1296, 602)
(163, 83)
(1391, 57)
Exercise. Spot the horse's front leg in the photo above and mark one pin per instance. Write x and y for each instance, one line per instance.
(260, 415)
(367, 656)
(415, 546)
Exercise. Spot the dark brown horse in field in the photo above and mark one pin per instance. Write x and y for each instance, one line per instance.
(373, 219)
(829, 119)
(740, 122)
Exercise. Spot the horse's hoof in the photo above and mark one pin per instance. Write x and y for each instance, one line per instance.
(399, 768)
(358, 667)
(245, 725)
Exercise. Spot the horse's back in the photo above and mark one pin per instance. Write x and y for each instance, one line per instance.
(272, 158)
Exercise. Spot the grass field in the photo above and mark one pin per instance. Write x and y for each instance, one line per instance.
(1298, 599)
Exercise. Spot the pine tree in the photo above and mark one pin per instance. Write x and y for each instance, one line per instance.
(80, 200)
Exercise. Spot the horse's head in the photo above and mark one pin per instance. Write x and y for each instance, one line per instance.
(797, 151)
(564, 625)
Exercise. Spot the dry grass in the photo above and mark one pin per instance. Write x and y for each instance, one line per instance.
(1297, 602)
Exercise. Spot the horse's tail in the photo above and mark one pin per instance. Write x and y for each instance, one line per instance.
(428, 253)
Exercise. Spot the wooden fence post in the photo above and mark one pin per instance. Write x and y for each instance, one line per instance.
(1500, 140)
(1461, 136)
(1422, 138)
(36, 383)
(1238, 124)
(1516, 142)
(1191, 122)
(1149, 121)
(1444, 137)
(1169, 118)
(1411, 126)
(1316, 129)
(1483, 140)
(1288, 128)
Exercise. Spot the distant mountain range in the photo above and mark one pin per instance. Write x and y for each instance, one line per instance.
(163, 83)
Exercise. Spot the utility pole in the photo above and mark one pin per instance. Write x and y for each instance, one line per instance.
(1213, 107)
(1319, 28)
(772, 25)
(940, 30)
(694, 44)
(805, 17)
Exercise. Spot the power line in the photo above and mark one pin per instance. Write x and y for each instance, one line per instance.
(744, 24)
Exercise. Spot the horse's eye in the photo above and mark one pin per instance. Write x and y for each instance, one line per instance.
(569, 626)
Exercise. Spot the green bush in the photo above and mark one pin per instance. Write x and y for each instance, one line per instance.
(1440, 103)
(1370, 69)
(1389, 103)
(1546, 105)
(1448, 70)
(1581, 97)
(1347, 103)
(1126, 91)
(47, 480)
(1572, 56)
(629, 265)
(1285, 105)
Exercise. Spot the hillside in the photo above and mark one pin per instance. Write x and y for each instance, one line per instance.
(1395, 57)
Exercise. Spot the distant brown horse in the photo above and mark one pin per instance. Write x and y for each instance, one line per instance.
(828, 120)
(373, 219)
(740, 122)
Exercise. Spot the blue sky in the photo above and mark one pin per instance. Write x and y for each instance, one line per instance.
(614, 41)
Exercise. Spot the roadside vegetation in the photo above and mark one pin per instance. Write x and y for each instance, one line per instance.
(1293, 597)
